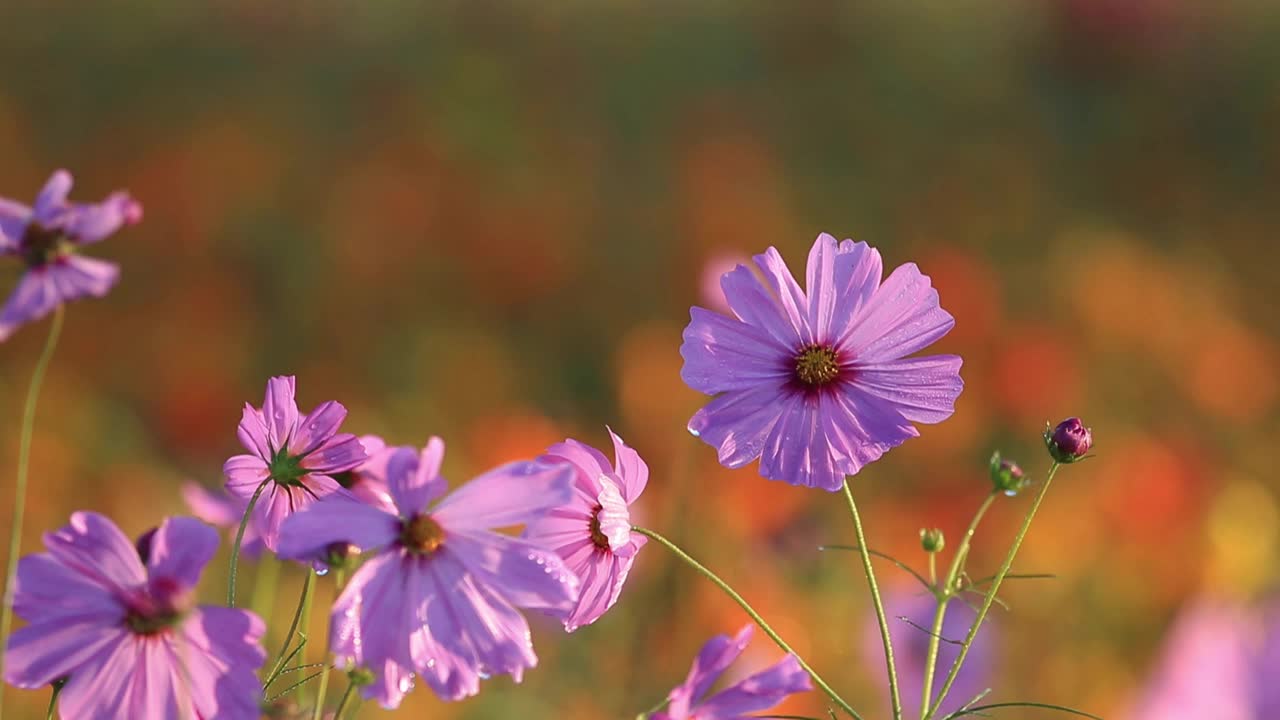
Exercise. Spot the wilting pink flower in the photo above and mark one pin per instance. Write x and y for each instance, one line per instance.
(593, 531)
(439, 597)
(368, 481)
(816, 383)
(124, 630)
(46, 237)
(761, 691)
(911, 643)
(222, 509)
(295, 455)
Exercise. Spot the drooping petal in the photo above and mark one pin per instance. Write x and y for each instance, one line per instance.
(922, 389)
(180, 549)
(512, 494)
(93, 546)
(630, 468)
(761, 691)
(523, 572)
(47, 590)
(737, 423)
(317, 427)
(714, 657)
(52, 198)
(414, 478)
(901, 318)
(340, 453)
(43, 652)
(305, 534)
(280, 410)
(91, 223)
(723, 354)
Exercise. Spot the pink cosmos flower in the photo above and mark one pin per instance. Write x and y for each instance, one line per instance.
(439, 596)
(816, 383)
(761, 691)
(120, 625)
(298, 455)
(46, 237)
(593, 531)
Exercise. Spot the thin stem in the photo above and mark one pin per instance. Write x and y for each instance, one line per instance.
(339, 579)
(933, 570)
(989, 598)
(293, 627)
(346, 697)
(20, 482)
(307, 601)
(57, 690)
(235, 547)
(943, 595)
(1046, 706)
(755, 616)
(296, 686)
(877, 602)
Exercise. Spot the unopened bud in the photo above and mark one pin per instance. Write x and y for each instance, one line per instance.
(360, 676)
(1068, 442)
(931, 540)
(1006, 476)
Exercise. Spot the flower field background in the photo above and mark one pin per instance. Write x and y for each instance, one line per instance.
(488, 222)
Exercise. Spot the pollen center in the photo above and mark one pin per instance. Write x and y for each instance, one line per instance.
(421, 534)
(597, 537)
(817, 365)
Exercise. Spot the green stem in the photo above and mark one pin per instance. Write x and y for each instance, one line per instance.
(235, 547)
(265, 581)
(20, 482)
(943, 595)
(989, 599)
(293, 627)
(307, 599)
(340, 577)
(750, 611)
(57, 690)
(346, 697)
(877, 602)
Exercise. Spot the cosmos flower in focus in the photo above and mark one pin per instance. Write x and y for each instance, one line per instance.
(439, 596)
(761, 691)
(46, 238)
(593, 531)
(816, 383)
(120, 623)
(297, 454)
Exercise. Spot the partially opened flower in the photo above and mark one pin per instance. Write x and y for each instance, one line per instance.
(46, 238)
(439, 597)
(119, 624)
(294, 455)
(816, 383)
(761, 691)
(221, 509)
(368, 480)
(593, 531)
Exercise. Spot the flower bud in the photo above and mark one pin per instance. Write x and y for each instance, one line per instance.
(1006, 476)
(360, 677)
(1068, 442)
(931, 540)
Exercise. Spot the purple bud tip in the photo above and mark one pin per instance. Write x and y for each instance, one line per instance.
(143, 545)
(1069, 441)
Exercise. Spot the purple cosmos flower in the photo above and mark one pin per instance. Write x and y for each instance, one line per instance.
(817, 383)
(46, 238)
(298, 454)
(439, 598)
(124, 630)
(1219, 661)
(593, 532)
(911, 644)
(761, 691)
(222, 509)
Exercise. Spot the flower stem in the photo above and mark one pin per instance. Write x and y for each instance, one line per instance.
(339, 579)
(877, 602)
(20, 482)
(307, 598)
(235, 547)
(755, 616)
(346, 697)
(264, 586)
(293, 627)
(989, 599)
(57, 686)
(943, 595)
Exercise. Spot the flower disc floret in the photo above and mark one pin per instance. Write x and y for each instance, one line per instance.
(817, 365)
(420, 534)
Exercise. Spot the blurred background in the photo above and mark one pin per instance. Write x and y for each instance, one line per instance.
(488, 221)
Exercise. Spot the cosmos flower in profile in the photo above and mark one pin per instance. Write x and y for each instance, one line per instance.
(438, 597)
(295, 455)
(761, 691)
(817, 383)
(46, 239)
(593, 531)
(119, 623)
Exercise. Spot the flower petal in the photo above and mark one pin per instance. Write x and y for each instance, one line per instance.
(723, 354)
(102, 687)
(47, 590)
(35, 296)
(52, 198)
(75, 277)
(244, 474)
(796, 450)
(613, 516)
(629, 467)
(305, 534)
(791, 299)
(92, 223)
(340, 453)
(414, 478)
(602, 580)
(512, 494)
(737, 423)
(216, 508)
(922, 389)
(901, 318)
(523, 572)
(252, 433)
(93, 546)
(280, 410)
(713, 659)
(180, 549)
(761, 691)
(317, 427)
(14, 217)
(754, 304)
(858, 272)
(368, 618)
(43, 652)
(589, 463)
(821, 287)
